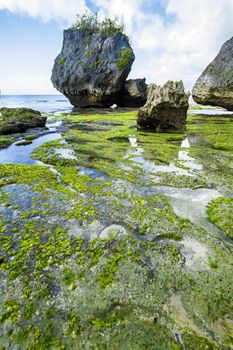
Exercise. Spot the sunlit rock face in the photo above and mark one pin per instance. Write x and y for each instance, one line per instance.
(215, 85)
(166, 107)
(92, 67)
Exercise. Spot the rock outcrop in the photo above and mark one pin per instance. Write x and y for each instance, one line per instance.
(166, 107)
(215, 85)
(133, 94)
(92, 67)
(13, 120)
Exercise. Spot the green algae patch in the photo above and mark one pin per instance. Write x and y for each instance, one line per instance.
(221, 214)
(39, 176)
(5, 141)
(91, 248)
(216, 130)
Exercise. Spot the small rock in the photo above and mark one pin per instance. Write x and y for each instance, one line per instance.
(166, 107)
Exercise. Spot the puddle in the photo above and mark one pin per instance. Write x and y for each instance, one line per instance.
(185, 158)
(113, 231)
(210, 111)
(133, 142)
(185, 143)
(190, 204)
(66, 153)
(53, 125)
(151, 169)
(22, 154)
(195, 253)
(20, 198)
(92, 173)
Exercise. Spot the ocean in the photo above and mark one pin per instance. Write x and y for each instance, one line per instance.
(42, 103)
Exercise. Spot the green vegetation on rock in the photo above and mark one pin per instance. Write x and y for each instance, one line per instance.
(125, 57)
(61, 60)
(92, 24)
(221, 214)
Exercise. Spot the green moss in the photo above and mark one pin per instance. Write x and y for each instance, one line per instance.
(91, 24)
(31, 137)
(32, 175)
(221, 214)
(88, 53)
(61, 60)
(69, 276)
(195, 107)
(63, 287)
(124, 58)
(6, 141)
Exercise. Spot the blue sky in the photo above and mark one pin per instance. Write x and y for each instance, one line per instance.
(172, 39)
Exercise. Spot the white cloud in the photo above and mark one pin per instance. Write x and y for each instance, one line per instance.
(61, 10)
(165, 49)
(179, 49)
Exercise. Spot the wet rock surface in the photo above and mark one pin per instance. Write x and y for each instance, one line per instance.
(215, 85)
(133, 94)
(92, 67)
(110, 234)
(16, 120)
(166, 107)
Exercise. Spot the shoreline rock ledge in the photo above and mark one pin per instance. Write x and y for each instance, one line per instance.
(215, 85)
(15, 120)
(166, 107)
(92, 67)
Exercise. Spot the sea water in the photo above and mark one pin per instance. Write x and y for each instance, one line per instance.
(42, 103)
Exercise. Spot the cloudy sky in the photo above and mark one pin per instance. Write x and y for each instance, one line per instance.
(172, 39)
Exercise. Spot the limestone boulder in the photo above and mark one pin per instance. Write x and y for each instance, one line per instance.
(92, 67)
(215, 85)
(166, 107)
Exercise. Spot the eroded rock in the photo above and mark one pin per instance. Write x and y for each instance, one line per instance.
(15, 120)
(166, 107)
(92, 67)
(215, 85)
(133, 94)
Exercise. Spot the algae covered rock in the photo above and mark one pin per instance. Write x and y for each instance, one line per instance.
(15, 120)
(133, 94)
(94, 63)
(166, 107)
(215, 85)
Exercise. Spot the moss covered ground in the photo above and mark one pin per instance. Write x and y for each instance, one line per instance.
(95, 252)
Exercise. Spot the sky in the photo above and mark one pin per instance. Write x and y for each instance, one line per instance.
(172, 39)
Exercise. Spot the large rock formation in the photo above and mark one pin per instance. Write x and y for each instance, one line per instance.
(92, 67)
(166, 107)
(215, 85)
(133, 93)
(15, 120)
